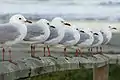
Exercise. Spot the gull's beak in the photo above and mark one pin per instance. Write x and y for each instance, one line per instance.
(68, 24)
(52, 26)
(82, 31)
(28, 21)
(114, 28)
(95, 33)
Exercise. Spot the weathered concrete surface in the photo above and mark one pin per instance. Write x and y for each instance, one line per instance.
(27, 67)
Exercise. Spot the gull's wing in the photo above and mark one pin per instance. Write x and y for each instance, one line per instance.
(105, 39)
(53, 34)
(96, 40)
(8, 32)
(83, 37)
(68, 36)
(34, 30)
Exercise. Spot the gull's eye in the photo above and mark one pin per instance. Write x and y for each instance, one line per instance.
(20, 18)
(102, 32)
(48, 23)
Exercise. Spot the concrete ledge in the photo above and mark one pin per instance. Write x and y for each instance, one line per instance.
(28, 67)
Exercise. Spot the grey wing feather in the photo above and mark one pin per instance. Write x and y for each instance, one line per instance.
(8, 32)
(67, 37)
(34, 30)
(83, 37)
(105, 39)
(96, 40)
(53, 34)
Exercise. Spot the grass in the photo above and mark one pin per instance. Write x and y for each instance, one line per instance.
(81, 74)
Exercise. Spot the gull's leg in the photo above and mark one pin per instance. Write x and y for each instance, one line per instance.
(92, 54)
(101, 50)
(9, 51)
(65, 54)
(80, 51)
(3, 53)
(10, 58)
(76, 53)
(48, 51)
(44, 52)
(96, 49)
(49, 55)
(89, 50)
(33, 52)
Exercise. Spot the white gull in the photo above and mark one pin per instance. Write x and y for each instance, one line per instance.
(56, 34)
(12, 32)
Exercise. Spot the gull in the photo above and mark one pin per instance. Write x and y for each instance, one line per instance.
(12, 33)
(107, 35)
(56, 34)
(37, 33)
(71, 36)
(98, 39)
(86, 39)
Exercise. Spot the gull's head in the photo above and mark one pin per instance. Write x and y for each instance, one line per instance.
(96, 32)
(58, 19)
(45, 22)
(61, 21)
(18, 18)
(112, 28)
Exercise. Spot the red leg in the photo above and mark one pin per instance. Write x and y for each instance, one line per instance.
(65, 52)
(3, 52)
(44, 51)
(31, 50)
(76, 54)
(80, 52)
(48, 51)
(9, 51)
(10, 58)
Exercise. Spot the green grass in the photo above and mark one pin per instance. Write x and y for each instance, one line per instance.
(114, 72)
(82, 74)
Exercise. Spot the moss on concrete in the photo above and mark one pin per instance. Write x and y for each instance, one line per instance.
(82, 74)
